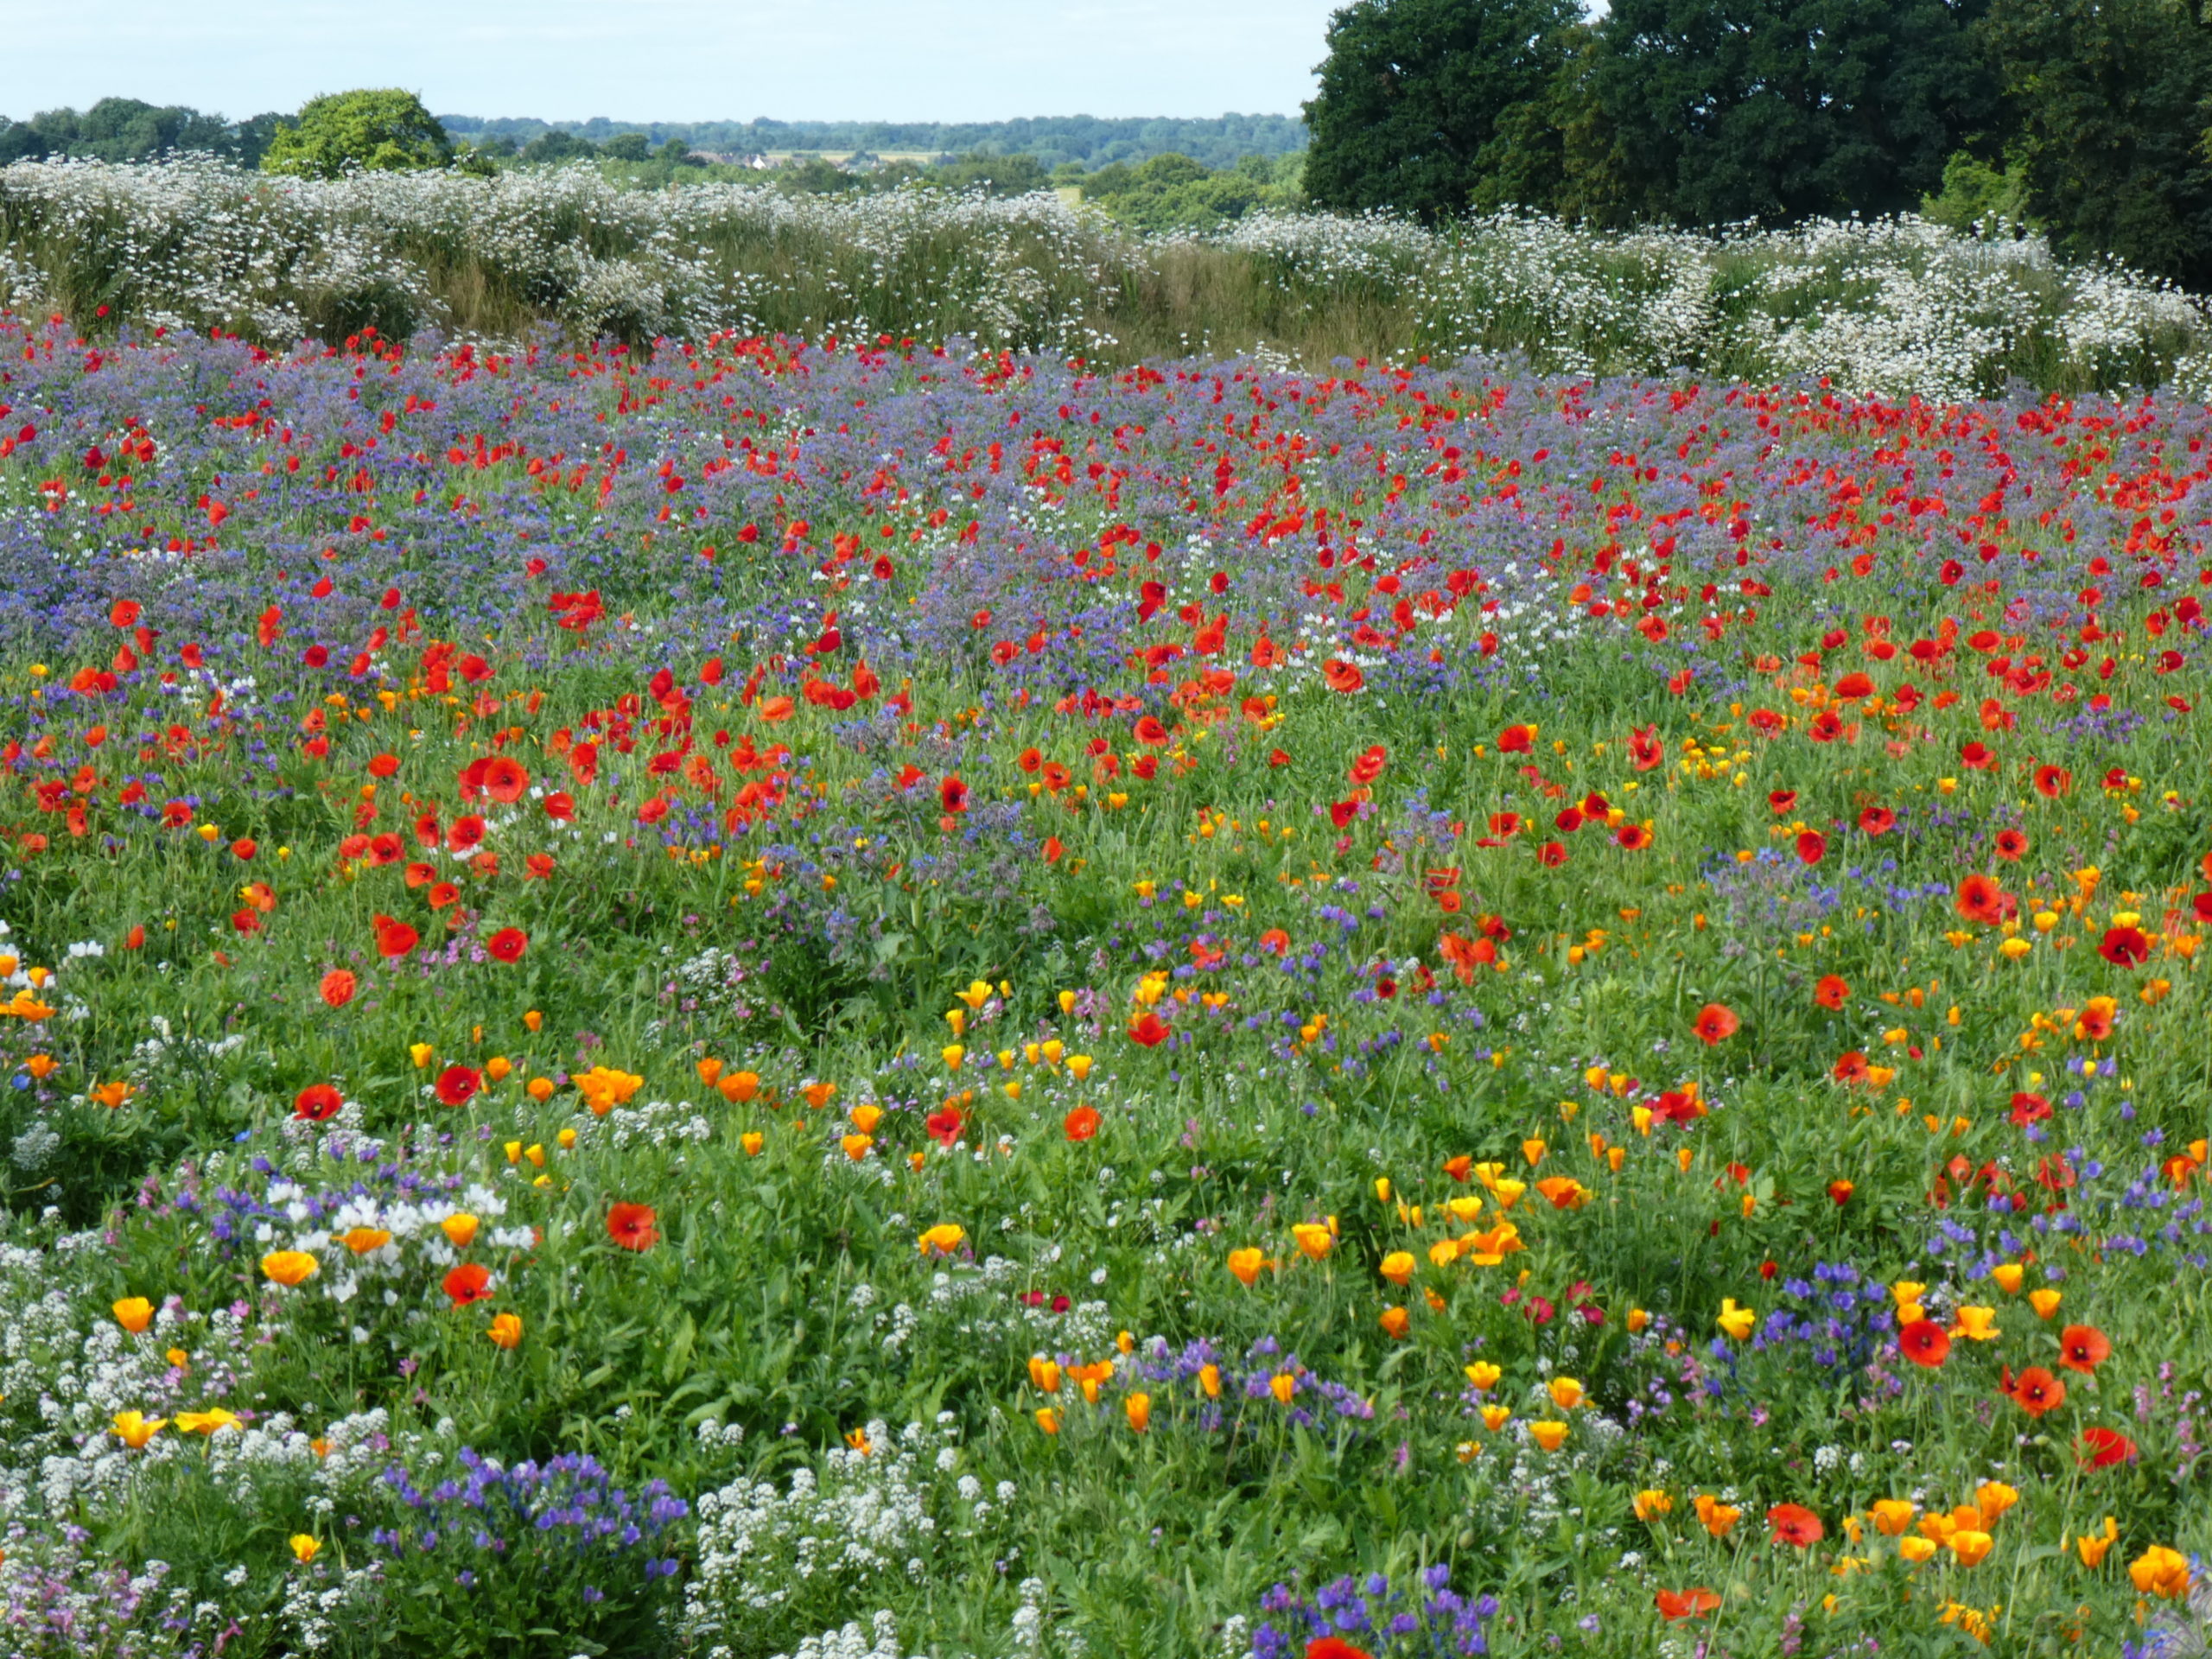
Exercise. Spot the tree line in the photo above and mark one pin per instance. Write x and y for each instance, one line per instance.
(2086, 119)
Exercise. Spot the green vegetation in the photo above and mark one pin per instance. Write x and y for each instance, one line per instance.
(2085, 119)
(380, 131)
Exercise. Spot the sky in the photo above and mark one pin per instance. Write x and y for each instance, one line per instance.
(676, 60)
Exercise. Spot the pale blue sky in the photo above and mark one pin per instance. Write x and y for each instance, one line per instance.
(676, 60)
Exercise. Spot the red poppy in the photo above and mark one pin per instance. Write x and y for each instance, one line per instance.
(944, 1124)
(469, 1282)
(952, 794)
(1851, 1066)
(631, 1225)
(338, 986)
(505, 780)
(1150, 733)
(560, 806)
(1812, 847)
(396, 938)
(1081, 1123)
(2103, 1448)
(1716, 1023)
(1980, 899)
(1979, 756)
(466, 834)
(1878, 821)
(1782, 800)
(1341, 676)
(2012, 844)
(2083, 1348)
(1924, 1342)
(383, 765)
(2124, 947)
(2029, 1108)
(1855, 685)
(1634, 837)
(1675, 1606)
(1831, 992)
(457, 1085)
(2051, 782)
(2203, 905)
(1551, 855)
(507, 945)
(1148, 1029)
(318, 1103)
(1333, 1646)
(1516, 740)
(1839, 1193)
(1794, 1524)
(2035, 1391)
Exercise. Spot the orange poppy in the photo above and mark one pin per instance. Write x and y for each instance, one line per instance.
(1081, 1123)
(338, 987)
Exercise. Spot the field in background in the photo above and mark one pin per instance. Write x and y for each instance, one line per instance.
(1892, 306)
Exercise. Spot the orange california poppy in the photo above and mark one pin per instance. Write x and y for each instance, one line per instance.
(1081, 1123)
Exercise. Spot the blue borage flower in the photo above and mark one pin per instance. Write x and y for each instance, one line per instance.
(1424, 1619)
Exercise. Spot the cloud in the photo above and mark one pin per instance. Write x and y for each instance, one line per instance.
(682, 60)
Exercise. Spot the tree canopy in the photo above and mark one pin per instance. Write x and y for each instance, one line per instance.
(1439, 107)
(378, 131)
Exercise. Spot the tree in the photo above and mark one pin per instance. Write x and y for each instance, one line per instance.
(552, 147)
(1709, 112)
(1440, 106)
(2112, 98)
(627, 147)
(381, 131)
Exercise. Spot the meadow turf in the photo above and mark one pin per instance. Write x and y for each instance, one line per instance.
(857, 1000)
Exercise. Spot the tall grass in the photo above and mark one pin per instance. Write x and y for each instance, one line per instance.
(1895, 306)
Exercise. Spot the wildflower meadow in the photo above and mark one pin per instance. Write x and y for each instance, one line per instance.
(853, 999)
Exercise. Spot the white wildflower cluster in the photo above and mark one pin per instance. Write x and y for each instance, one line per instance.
(881, 1641)
(67, 1369)
(1888, 307)
(802, 1556)
(658, 1122)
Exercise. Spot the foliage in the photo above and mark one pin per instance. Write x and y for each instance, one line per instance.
(1781, 109)
(1088, 141)
(749, 997)
(1176, 193)
(1439, 107)
(130, 130)
(1897, 306)
(2111, 99)
(1976, 195)
(378, 131)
